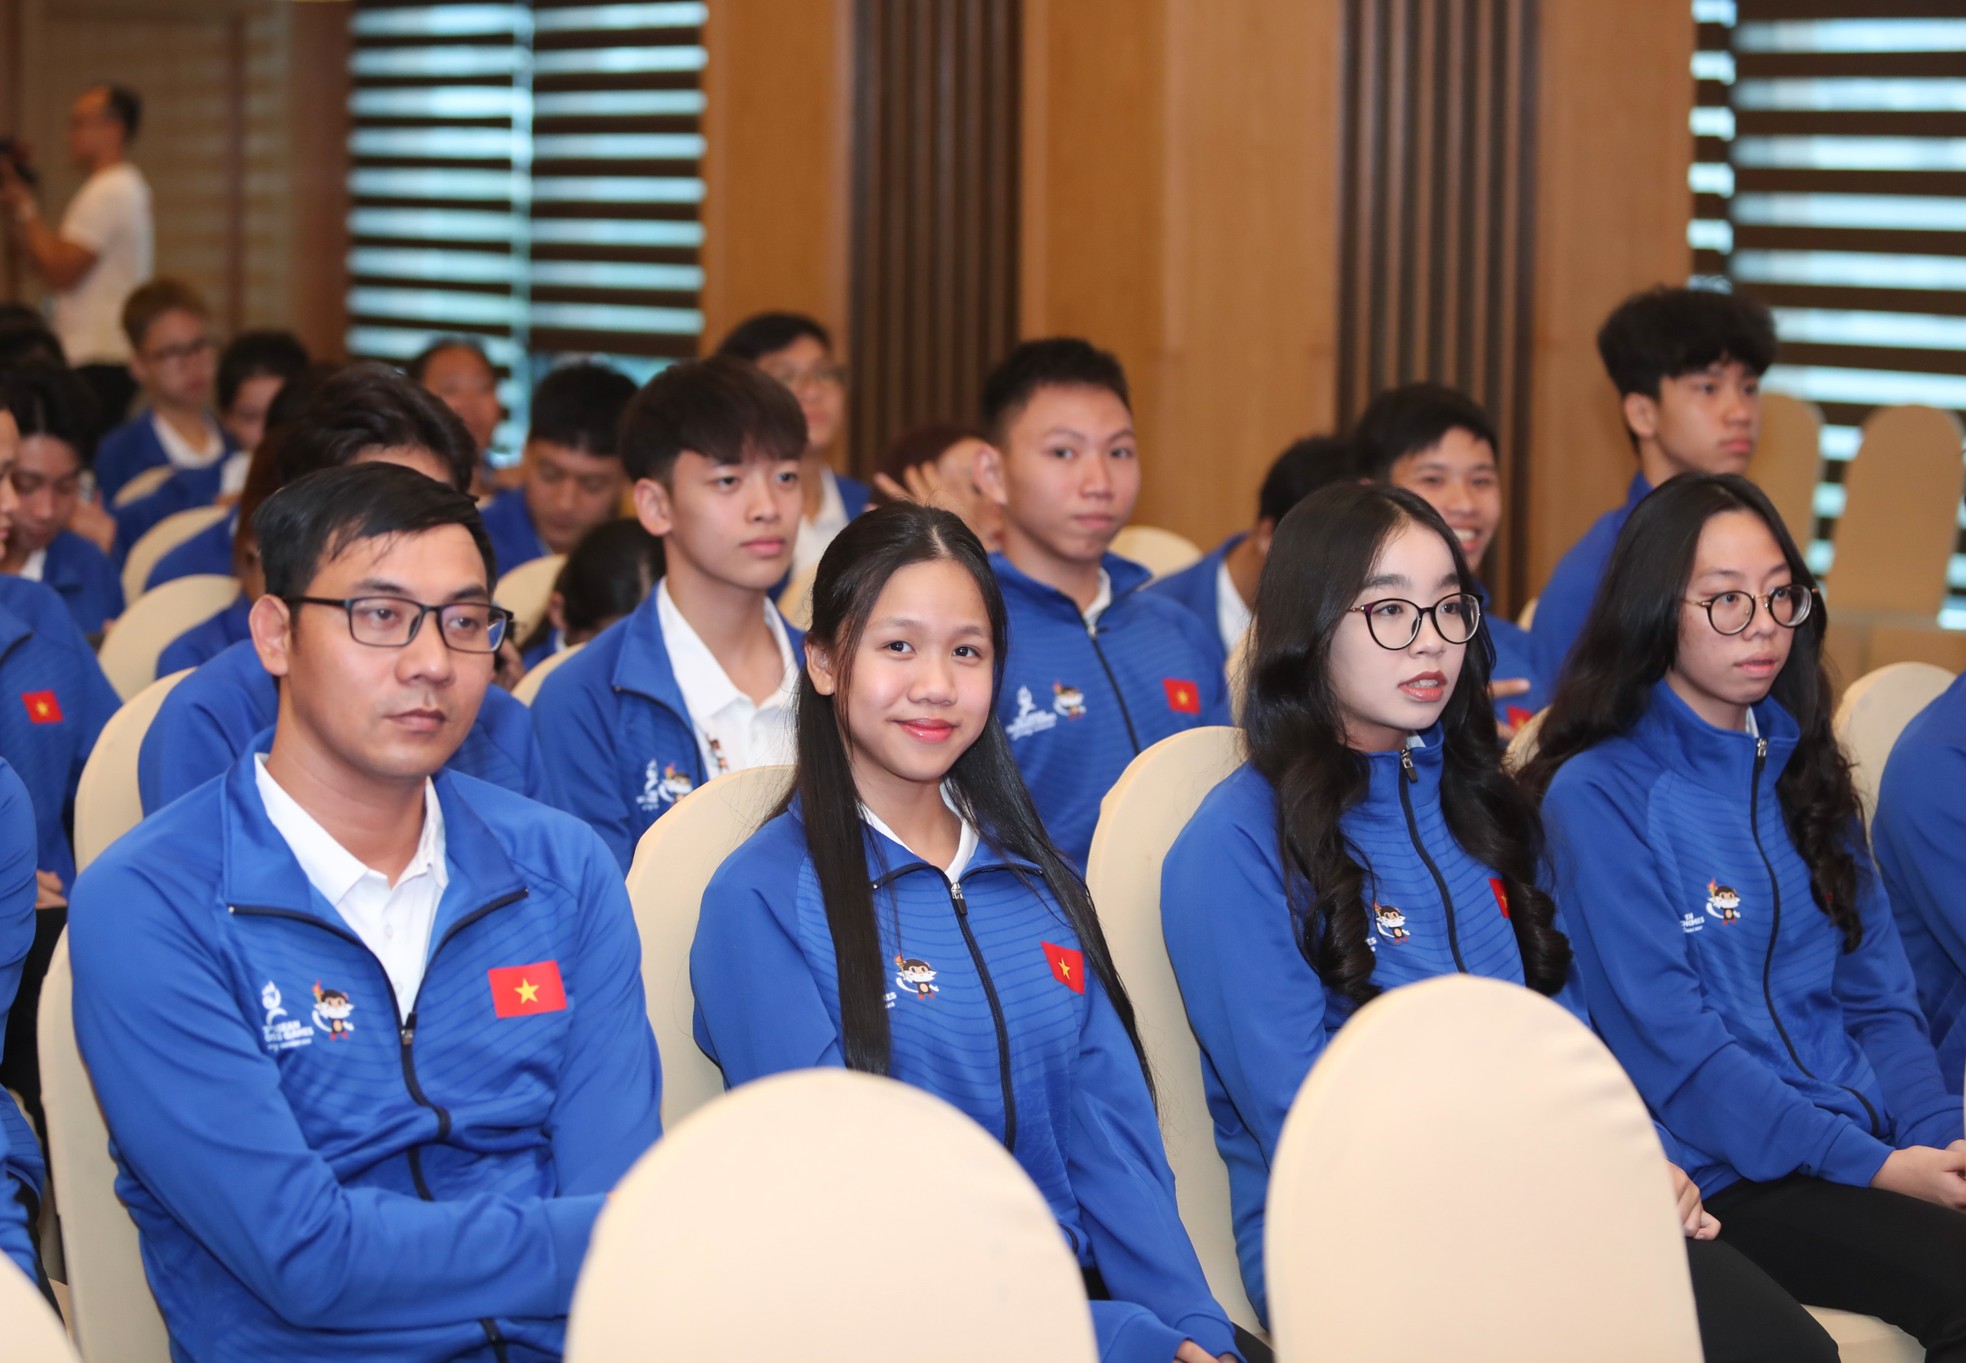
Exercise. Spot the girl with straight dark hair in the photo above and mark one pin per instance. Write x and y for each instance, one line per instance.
(1370, 841)
(1736, 945)
(905, 914)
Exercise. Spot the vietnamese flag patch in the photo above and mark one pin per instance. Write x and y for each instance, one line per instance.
(1183, 697)
(1518, 716)
(1501, 895)
(42, 707)
(521, 990)
(1067, 966)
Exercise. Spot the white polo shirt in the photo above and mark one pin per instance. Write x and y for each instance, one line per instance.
(1231, 616)
(733, 731)
(110, 217)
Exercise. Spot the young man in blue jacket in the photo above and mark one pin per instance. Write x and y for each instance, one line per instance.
(50, 412)
(700, 678)
(369, 1035)
(1098, 671)
(571, 470)
(365, 414)
(1687, 364)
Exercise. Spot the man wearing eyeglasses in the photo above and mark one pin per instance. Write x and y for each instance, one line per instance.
(369, 1035)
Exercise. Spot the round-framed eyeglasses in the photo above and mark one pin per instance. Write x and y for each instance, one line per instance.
(1395, 622)
(1732, 612)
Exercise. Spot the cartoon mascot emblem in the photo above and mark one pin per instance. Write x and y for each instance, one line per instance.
(663, 785)
(1723, 902)
(1392, 923)
(331, 1010)
(916, 976)
(1068, 701)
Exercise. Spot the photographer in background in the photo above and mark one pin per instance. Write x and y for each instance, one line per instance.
(102, 251)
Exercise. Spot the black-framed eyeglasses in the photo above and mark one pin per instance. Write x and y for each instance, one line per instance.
(1394, 621)
(1731, 612)
(393, 621)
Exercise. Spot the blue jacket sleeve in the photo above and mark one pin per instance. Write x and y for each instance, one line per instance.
(1209, 661)
(18, 844)
(1125, 1192)
(200, 1120)
(574, 718)
(1650, 1008)
(186, 745)
(16, 1240)
(1919, 832)
(609, 1106)
(1880, 1004)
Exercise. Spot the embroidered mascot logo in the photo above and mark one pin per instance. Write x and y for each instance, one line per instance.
(280, 1031)
(915, 975)
(331, 1010)
(1068, 701)
(663, 784)
(1723, 902)
(1392, 924)
(1029, 719)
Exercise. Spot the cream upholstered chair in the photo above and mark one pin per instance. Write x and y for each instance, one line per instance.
(1237, 672)
(1522, 745)
(34, 1331)
(795, 602)
(1788, 461)
(160, 539)
(140, 635)
(143, 484)
(1866, 1339)
(1874, 711)
(1535, 1103)
(892, 1226)
(114, 1316)
(527, 691)
(1138, 821)
(673, 862)
(1159, 551)
(106, 802)
(1527, 616)
(1900, 515)
(526, 589)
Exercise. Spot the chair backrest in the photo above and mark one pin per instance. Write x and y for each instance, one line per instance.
(1788, 461)
(526, 589)
(830, 1217)
(115, 1317)
(143, 484)
(34, 1331)
(1874, 711)
(795, 602)
(1527, 616)
(106, 801)
(673, 862)
(160, 539)
(1159, 551)
(130, 650)
(1900, 513)
(1138, 821)
(1541, 1117)
(527, 691)
(1237, 673)
(1522, 744)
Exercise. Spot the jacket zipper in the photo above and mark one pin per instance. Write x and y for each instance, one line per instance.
(1413, 832)
(996, 1013)
(1126, 718)
(1768, 960)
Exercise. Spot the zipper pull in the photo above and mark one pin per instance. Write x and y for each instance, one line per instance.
(1760, 749)
(408, 1031)
(956, 898)
(1406, 765)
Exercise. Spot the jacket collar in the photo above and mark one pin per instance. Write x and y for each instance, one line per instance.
(1637, 491)
(1126, 575)
(643, 666)
(887, 858)
(1386, 773)
(1715, 759)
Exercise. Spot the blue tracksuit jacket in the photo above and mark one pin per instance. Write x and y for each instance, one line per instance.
(1759, 1043)
(619, 742)
(20, 1153)
(1261, 1013)
(131, 448)
(419, 1188)
(54, 700)
(1566, 599)
(207, 639)
(1198, 587)
(1079, 704)
(1516, 657)
(182, 491)
(227, 708)
(85, 580)
(1919, 835)
(509, 524)
(208, 551)
(992, 1011)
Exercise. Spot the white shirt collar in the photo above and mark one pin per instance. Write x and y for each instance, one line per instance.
(35, 566)
(706, 687)
(331, 868)
(1100, 599)
(1232, 617)
(966, 840)
(816, 533)
(180, 451)
(1754, 729)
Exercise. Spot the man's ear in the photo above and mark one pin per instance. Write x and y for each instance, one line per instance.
(1642, 416)
(819, 667)
(654, 507)
(988, 473)
(1264, 535)
(271, 621)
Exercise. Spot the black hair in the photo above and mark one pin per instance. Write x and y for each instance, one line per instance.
(1054, 362)
(580, 406)
(25, 337)
(313, 519)
(419, 364)
(260, 354)
(1664, 332)
(371, 406)
(49, 400)
(1411, 418)
(723, 408)
(1302, 469)
(766, 333)
(263, 465)
(125, 106)
(1322, 554)
(984, 783)
(922, 445)
(1631, 638)
(605, 577)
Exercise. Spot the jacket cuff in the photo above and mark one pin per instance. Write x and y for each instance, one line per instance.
(570, 1223)
(1853, 1157)
(1130, 1333)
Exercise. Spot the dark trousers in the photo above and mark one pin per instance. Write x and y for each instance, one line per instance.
(20, 1063)
(113, 388)
(1857, 1249)
(1745, 1316)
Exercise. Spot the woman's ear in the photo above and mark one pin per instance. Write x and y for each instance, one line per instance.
(819, 667)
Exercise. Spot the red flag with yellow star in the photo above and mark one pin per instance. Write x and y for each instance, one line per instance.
(521, 990)
(1183, 697)
(43, 707)
(1067, 966)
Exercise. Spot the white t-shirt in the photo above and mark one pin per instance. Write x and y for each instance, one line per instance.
(733, 731)
(109, 216)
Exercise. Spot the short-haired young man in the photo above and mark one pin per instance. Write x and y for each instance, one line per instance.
(699, 679)
(364, 414)
(1221, 588)
(1098, 670)
(571, 473)
(173, 361)
(1687, 364)
(369, 1035)
(1439, 443)
(54, 415)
